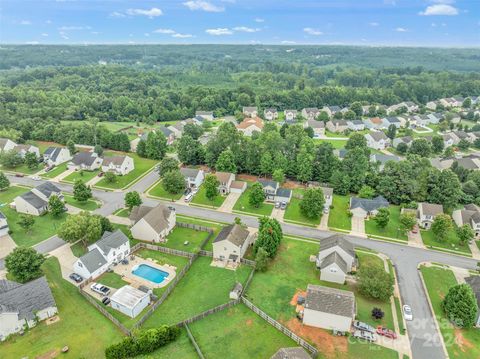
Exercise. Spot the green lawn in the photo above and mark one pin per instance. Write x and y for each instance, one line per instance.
(392, 229)
(242, 205)
(215, 226)
(202, 288)
(85, 176)
(451, 243)
(78, 249)
(45, 226)
(201, 199)
(56, 171)
(180, 235)
(181, 348)
(123, 212)
(84, 329)
(461, 344)
(338, 217)
(239, 332)
(22, 169)
(293, 213)
(337, 144)
(142, 165)
(89, 205)
(159, 191)
(112, 280)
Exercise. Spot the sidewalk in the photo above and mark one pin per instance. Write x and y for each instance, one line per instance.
(415, 239)
(227, 205)
(324, 222)
(62, 175)
(474, 249)
(119, 220)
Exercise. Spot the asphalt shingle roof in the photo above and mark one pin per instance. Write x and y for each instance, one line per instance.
(93, 260)
(330, 300)
(233, 233)
(337, 240)
(368, 204)
(111, 240)
(334, 257)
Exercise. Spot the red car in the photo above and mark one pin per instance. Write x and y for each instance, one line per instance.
(386, 332)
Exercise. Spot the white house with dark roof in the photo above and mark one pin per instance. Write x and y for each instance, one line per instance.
(290, 115)
(365, 207)
(337, 244)
(388, 121)
(377, 140)
(23, 149)
(470, 215)
(333, 268)
(231, 244)
(6, 145)
(3, 225)
(273, 192)
(120, 165)
(112, 248)
(270, 114)
(88, 161)
(207, 115)
(382, 159)
(310, 113)
(317, 126)
(152, 224)
(54, 156)
(356, 125)
(168, 133)
(427, 212)
(129, 300)
(193, 176)
(35, 201)
(22, 306)
(329, 308)
(250, 111)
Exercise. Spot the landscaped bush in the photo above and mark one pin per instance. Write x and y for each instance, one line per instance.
(144, 342)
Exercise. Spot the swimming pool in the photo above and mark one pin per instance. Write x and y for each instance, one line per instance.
(151, 274)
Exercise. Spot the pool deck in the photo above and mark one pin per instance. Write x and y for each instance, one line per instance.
(125, 271)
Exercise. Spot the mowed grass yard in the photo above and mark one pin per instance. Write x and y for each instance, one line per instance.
(201, 199)
(22, 169)
(294, 214)
(337, 144)
(85, 176)
(89, 205)
(45, 226)
(461, 343)
(215, 226)
(55, 172)
(338, 217)
(181, 348)
(177, 238)
(239, 332)
(452, 242)
(158, 191)
(142, 165)
(243, 205)
(202, 288)
(83, 328)
(392, 229)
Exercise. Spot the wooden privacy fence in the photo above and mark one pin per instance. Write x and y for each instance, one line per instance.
(209, 312)
(194, 342)
(167, 250)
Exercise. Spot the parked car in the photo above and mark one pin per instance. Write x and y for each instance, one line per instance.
(187, 191)
(188, 197)
(363, 326)
(386, 332)
(415, 229)
(100, 289)
(100, 174)
(48, 168)
(106, 300)
(363, 334)
(277, 204)
(171, 208)
(75, 277)
(36, 178)
(407, 312)
(326, 210)
(19, 175)
(283, 205)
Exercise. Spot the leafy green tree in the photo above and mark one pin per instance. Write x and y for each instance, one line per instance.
(55, 206)
(190, 151)
(449, 152)
(402, 147)
(193, 130)
(460, 305)
(256, 195)
(31, 160)
(465, 233)
(261, 260)
(355, 166)
(10, 159)
(266, 164)
(24, 264)
(311, 205)
(442, 224)
(211, 184)
(98, 150)
(467, 103)
(142, 148)
(382, 217)
(463, 145)
(83, 227)
(4, 182)
(437, 144)
(407, 222)
(26, 221)
(155, 146)
(391, 132)
(81, 192)
(357, 108)
(110, 177)
(304, 165)
(173, 182)
(105, 223)
(356, 140)
(324, 163)
(421, 147)
(444, 188)
(349, 115)
(366, 192)
(71, 147)
(269, 236)
(278, 175)
(323, 116)
(132, 199)
(167, 164)
(375, 283)
(226, 162)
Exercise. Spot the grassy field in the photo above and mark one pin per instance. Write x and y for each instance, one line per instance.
(201, 199)
(452, 242)
(123, 212)
(215, 226)
(89, 205)
(392, 229)
(85, 176)
(242, 205)
(179, 235)
(293, 213)
(84, 329)
(337, 144)
(45, 226)
(181, 348)
(22, 169)
(338, 217)
(202, 288)
(460, 343)
(230, 330)
(159, 191)
(55, 172)
(142, 165)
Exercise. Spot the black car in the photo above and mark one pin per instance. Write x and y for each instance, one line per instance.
(187, 191)
(106, 300)
(75, 277)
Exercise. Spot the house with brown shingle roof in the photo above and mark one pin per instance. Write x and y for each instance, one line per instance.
(427, 213)
(250, 125)
(120, 165)
(152, 224)
(230, 245)
(225, 179)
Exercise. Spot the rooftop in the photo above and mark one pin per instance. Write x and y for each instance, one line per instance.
(330, 300)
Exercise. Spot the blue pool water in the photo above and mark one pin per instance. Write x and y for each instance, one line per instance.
(149, 273)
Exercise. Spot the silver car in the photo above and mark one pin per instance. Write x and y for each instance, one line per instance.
(363, 334)
(363, 326)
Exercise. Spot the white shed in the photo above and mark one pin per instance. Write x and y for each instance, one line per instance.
(129, 301)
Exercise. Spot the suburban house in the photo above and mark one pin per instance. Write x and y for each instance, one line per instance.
(269, 188)
(377, 140)
(337, 125)
(250, 125)
(177, 129)
(449, 139)
(329, 308)
(129, 300)
(317, 126)
(366, 207)
(3, 225)
(406, 140)
(270, 114)
(22, 306)
(22, 150)
(474, 282)
(193, 176)
(6, 145)
(337, 244)
(470, 214)
(207, 115)
(35, 201)
(435, 117)
(388, 121)
(310, 113)
(291, 353)
(251, 111)
(88, 161)
(382, 159)
(283, 195)
(427, 213)
(356, 125)
(333, 268)
(231, 244)
(290, 115)
(462, 135)
(152, 224)
(331, 110)
(374, 123)
(238, 186)
(120, 165)
(431, 105)
(168, 133)
(225, 179)
(112, 248)
(53, 156)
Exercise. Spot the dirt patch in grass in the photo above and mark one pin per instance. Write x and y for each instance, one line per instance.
(244, 177)
(299, 292)
(50, 355)
(249, 322)
(52, 320)
(463, 343)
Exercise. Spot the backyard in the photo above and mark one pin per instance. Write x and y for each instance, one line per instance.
(215, 226)
(243, 205)
(185, 239)
(451, 243)
(392, 229)
(201, 199)
(338, 217)
(158, 191)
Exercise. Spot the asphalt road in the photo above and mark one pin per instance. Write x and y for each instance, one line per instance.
(423, 334)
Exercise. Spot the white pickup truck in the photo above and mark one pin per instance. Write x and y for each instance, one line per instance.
(100, 289)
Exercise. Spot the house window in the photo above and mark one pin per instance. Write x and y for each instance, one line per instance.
(80, 264)
(333, 270)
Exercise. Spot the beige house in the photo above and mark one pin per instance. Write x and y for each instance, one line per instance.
(310, 113)
(152, 224)
(230, 245)
(329, 308)
(249, 125)
(250, 111)
(6, 144)
(427, 213)
(337, 125)
(35, 201)
(225, 179)
(270, 114)
(317, 126)
(470, 215)
(377, 140)
(88, 161)
(22, 150)
(120, 165)
(290, 115)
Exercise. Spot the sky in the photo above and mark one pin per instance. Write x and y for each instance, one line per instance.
(444, 23)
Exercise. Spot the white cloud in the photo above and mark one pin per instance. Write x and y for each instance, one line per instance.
(439, 9)
(164, 31)
(203, 5)
(257, 19)
(401, 29)
(219, 31)
(373, 23)
(288, 42)
(312, 31)
(63, 35)
(153, 12)
(442, 1)
(48, 22)
(72, 28)
(117, 14)
(245, 29)
(44, 34)
(182, 36)
(32, 42)
(25, 22)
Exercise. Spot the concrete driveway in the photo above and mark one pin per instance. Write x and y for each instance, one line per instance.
(6, 245)
(227, 205)
(358, 226)
(66, 259)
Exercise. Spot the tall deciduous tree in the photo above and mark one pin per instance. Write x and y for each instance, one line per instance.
(442, 224)
(256, 195)
(83, 227)
(312, 203)
(374, 282)
(24, 263)
(81, 192)
(269, 236)
(56, 206)
(26, 221)
(167, 164)
(226, 162)
(211, 184)
(173, 182)
(460, 305)
(132, 199)
(4, 182)
(407, 222)
(190, 151)
(382, 217)
(31, 160)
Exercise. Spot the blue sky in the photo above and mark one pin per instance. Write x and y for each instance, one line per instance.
(360, 22)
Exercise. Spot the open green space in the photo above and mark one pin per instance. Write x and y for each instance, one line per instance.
(460, 343)
(294, 214)
(85, 176)
(202, 288)
(243, 205)
(451, 243)
(201, 199)
(23, 168)
(55, 172)
(89, 205)
(337, 144)
(181, 348)
(339, 217)
(122, 212)
(158, 191)
(142, 166)
(239, 332)
(112, 280)
(180, 235)
(392, 229)
(215, 226)
(81, 327)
